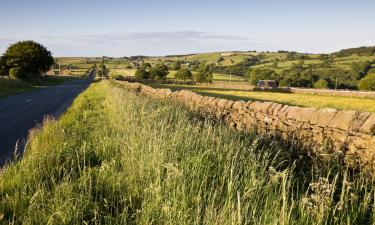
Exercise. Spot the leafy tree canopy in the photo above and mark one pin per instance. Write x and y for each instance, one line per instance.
(30, 58)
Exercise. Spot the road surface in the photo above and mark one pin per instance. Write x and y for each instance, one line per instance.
(19, 113)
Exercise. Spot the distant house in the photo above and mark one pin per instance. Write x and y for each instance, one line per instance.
(50, 73)
(65, 72)
(268, 84)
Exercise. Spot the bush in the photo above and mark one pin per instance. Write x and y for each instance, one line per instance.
(30, 57)
(176, 65)
(183, 74)
(321, 84)
(159, 71)
(204, 74)
(142, 73)
(128, 67)
(367, 83)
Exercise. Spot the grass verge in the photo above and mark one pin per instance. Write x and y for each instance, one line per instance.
(118, 158)
(15, 86)
(11, 86)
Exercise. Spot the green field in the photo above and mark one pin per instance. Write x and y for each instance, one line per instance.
(296, 99)
(95, 166)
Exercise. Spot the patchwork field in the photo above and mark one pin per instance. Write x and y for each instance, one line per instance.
(188, 170)
(297, 99)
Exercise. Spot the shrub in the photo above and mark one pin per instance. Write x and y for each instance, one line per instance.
(183, 74)
(159, 71)
(204, 74)
(321, 84)
(142, 73)
(367, 83)
(128, 67)
(176, 65)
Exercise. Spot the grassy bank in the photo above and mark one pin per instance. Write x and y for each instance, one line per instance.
(11, 86)
(14, 86)
(297, 99)
(118, 158)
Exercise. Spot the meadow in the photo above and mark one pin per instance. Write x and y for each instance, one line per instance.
(119, 158)
(296, 99)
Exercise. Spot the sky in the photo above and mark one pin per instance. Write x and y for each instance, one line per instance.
(162, 27)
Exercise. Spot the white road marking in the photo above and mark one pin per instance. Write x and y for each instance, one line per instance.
(29, 100)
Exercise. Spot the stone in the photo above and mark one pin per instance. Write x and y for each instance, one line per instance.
(342, 120)
(307, 114)
(323, 117)
(222, 103)
(369, 125)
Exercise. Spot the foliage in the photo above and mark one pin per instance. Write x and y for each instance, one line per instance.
(367, 83)
(183, 74)
(204, 74)
(4, 70)
(143, 72)
(176, 65)
(30, 57)
(321, 84)
(361, 68)
(361, 51)
(262, 74)
(159, 71)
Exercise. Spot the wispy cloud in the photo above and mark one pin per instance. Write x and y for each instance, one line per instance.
(147, 43)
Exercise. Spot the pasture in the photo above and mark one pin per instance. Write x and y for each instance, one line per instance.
(297, 99)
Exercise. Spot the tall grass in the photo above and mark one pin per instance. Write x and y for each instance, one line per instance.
(119, 158)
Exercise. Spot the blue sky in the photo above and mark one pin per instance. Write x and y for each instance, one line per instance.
(123, 28)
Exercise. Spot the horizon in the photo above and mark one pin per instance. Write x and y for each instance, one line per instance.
(77, 29)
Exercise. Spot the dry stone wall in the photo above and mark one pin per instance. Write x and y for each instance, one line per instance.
(349, 132)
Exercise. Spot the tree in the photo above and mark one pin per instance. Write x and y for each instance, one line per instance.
(361, 68)
(262, 74)
(321, 84)
(367, 83)
(142, 73)
(183, 74)
(159, 71)
(30, 58)
(204, 74)
(4, 70)
(176, 65)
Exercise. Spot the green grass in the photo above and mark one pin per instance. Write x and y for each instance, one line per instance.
(14, 86)
(11, 86)
(118, 158)
(297, 99)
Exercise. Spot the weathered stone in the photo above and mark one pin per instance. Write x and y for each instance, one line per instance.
(369, 125)
(359, 120)
(342, 120)
(238, 104)
(294, 113)
(323, 117)
(222, 103)
(229, 104)
(307, 114)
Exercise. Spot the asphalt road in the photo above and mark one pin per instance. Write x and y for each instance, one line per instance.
(19, 113)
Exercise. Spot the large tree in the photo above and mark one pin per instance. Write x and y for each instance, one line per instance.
(27, 60)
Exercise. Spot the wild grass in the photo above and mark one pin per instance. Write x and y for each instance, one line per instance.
(296, 99)
(13, 86)
(118, 158)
